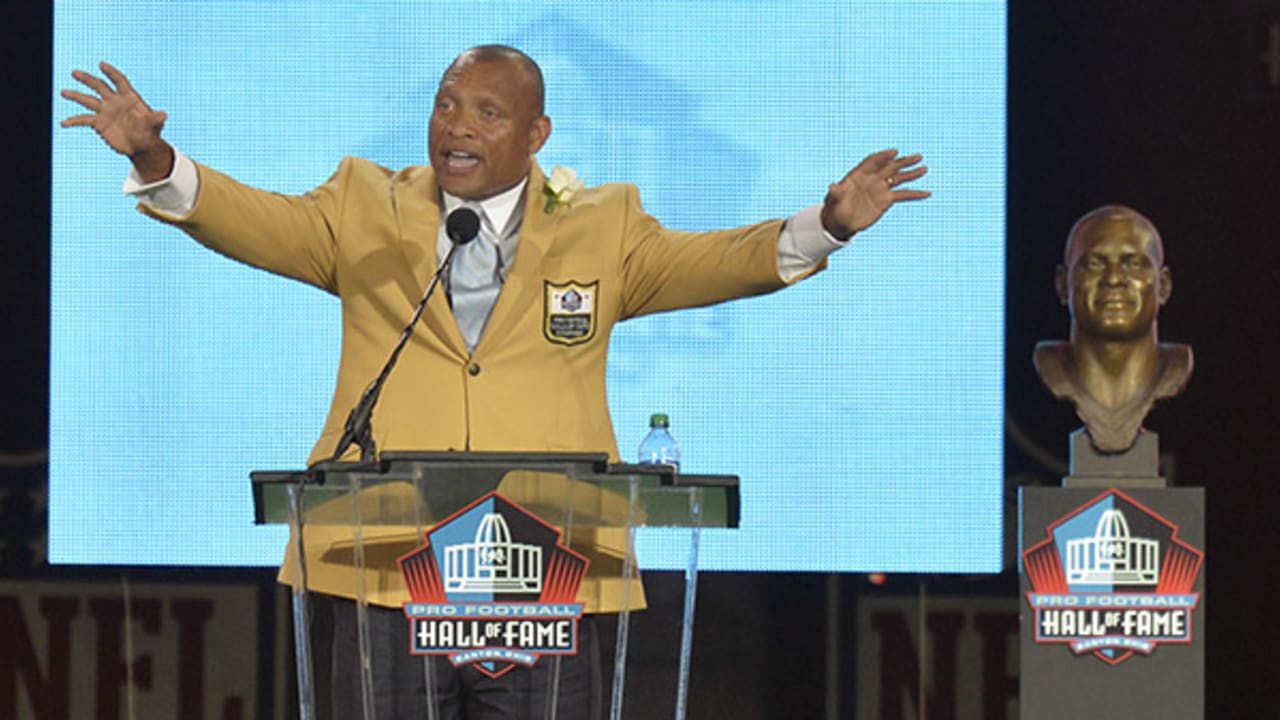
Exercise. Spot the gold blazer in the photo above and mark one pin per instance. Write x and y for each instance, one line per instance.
(368, 235)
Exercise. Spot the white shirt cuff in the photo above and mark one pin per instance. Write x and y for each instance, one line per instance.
(174, 195)
(803, 243)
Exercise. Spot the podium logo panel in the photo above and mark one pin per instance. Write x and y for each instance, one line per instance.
(492, 586)
(1112, 578)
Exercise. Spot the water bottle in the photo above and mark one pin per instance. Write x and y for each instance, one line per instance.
(659, 447)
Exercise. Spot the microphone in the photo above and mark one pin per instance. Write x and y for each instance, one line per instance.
(461, 227)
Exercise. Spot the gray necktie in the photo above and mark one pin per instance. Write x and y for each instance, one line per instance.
(474, 284)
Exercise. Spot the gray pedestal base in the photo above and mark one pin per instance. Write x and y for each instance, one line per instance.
(1112, 577)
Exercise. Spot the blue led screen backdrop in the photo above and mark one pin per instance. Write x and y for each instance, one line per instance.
(862, 408)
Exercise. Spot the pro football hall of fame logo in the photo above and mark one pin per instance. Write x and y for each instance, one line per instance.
(569, 311)
(493, 587)
(1112, 578)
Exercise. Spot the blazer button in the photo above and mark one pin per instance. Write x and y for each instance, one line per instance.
(473, 369)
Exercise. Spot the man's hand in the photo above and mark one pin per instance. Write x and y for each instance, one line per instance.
(861, 197)
(124, 121)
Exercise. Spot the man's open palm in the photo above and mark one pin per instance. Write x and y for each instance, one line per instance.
(123, 120)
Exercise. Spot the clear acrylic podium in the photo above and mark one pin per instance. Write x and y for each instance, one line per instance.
(352, 522)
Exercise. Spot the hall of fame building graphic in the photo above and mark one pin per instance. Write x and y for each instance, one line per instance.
(1112, 578)
(492, 586)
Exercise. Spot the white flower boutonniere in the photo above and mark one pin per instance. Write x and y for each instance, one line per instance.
(563, 184)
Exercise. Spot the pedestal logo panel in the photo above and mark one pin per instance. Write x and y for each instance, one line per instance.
(1112, 597)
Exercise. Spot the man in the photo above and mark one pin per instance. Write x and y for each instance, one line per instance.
(1113, 369)
(486, 370)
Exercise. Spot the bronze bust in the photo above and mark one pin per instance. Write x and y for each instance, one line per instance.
(1113, 369)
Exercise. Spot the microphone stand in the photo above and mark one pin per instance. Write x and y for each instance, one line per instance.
(359, 425)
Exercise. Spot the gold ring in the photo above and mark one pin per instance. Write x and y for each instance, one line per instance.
(889, 181)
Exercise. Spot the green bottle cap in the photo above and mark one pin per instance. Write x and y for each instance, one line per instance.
(659, 420)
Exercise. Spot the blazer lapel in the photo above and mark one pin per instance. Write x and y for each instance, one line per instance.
(416, 199)
(522, 287)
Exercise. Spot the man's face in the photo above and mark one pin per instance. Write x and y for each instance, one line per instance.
(1113, 281)
(485, 128)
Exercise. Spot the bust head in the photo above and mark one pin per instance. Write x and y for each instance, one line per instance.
(1113, 281)
(1112, 277)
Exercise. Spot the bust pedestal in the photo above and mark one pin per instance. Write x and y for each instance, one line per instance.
(1111, 568)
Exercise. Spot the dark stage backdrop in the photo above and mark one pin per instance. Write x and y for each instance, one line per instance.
(1168, 108)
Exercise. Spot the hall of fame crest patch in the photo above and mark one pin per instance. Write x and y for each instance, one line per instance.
(569, 311)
